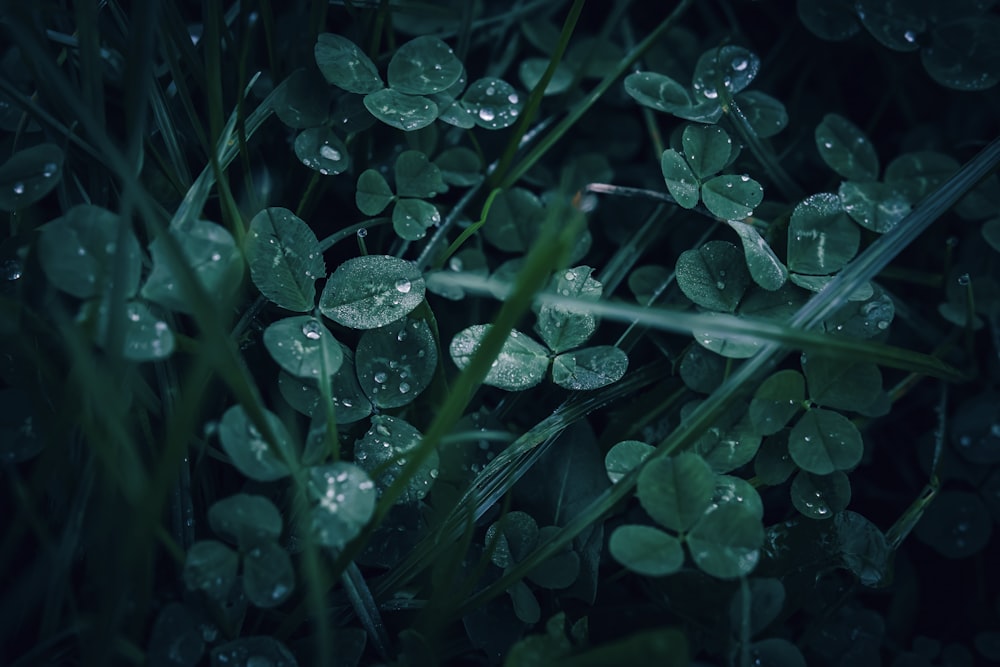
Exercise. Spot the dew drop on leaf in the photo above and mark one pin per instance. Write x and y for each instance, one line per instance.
(312, 330)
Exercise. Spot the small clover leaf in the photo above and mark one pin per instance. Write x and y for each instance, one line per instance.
(840, 384)
(676, 490)
(657, 91)
(726, 541)
(303, 346)
(285, 259)
(589, 367)
(820, 496)
(345, 65)
(732, 66)
(373, 193)
(707, 148)
(521, 363)
(823, 441)
(29, 175)
(371, 291)
(210, 566)
(385, 446)
(268, 575)
(396, 362)
(423, 66)
(345, 500)
(732, 197)
(776, 401)
(411, 218)
(493, 103)
(624, 456)
(245, 520)
(252, 455)
(515, 536)
(714, 276)
(564, 328)
(821, 236)
(682, 184)
(646, 550)
(401, 111)
(321, 150)
(765, 268)
(846, 149)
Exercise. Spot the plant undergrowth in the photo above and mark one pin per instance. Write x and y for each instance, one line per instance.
(397, 332)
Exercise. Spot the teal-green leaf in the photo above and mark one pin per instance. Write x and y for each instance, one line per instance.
(245, 520)
(303, 346)
(873, 205)
(897, 24)
(726, 542)
(915, 175)
(78, 252)
(147, 337)
(321, 150)
(460, 166)
(513, 221)
(285, 258)
(424, 65)
(210, 255)
(646, 281)
(820, 496)
(624, 456)
(396, 362)
(558, 571)
(734, 66)
(371, 291)
(822, 239)
(681, 182)
(776, 401)
(514, 536)
(832, 20)
(210, 566)
(268, 575)
(862, 548)
(401, 111)
(493, 103)
(846, 149)
(246, 447)
(300, 102)
(963, 54)
(767, 116)
(521, 363)
(29, 175)
(416, 176)
(732, 197)
(657, 91)
(730, 442)
(841, 384)
(373, 193)
(646, 550)
(411, 218)
(773, 465)
(589, 367)
(765, 268)
(823, 441)
(738, 491)
(563, 328)
(345, 501)
(714, 276)
(349, 402)
(675, 491)
(956, 525)
(382, 452)
(345, 65)
(706, 148)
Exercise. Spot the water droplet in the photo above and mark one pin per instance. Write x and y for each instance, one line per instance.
(50, 169)
(404, 387)
(964, 279)
(739, 64)
(910, 36)
(380, 377)
(12, 269)
(455, 264)
(513, 98)
(570, 275)
(19, 188)
(312, 330)
(363, 232)
(720, 285)
(744, 178)
(491, 91)
(403, 285)
(711, 94)
(330, 153)
(487, 114)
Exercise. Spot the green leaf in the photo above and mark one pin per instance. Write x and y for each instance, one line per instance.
(246, 447)
(210, 255)
(701, 370)
(526, 607)
(841, 384)
(513, 221)
(776, 401)
(729, 443)
(766, 115)
(345, 498)
(822, 239)
(424, 65)
(863, 549)
(396, 362)
(321, 150)
(733, 66)
(373, 193)
(726, 542)
(515, 536)
(210, 566)
(345, 65)
(765, 267)
(707, 149)
(846, 149)
(531, 70)
(416, 176)
(563, 328)
(401, 111)
(284, 258)
(268, 575)
(773, 465)
(147, 337)
(915, 175)
(767, 598)
(646, 550)
(372, 291)
(245, 520)
(963, 53)
(681, 181)
(493, 102)
(385, 446)
(714, 276)
(894, 23)
(731, 347)
(738, 491)
(303, 346)
(558, 571)
(820, 496)
(29, 175)
(732, 197)
(873, 205)
(645, 281)
(675, 491)
(349, 402)
(823, 441)
(78, 252)
(459, 166)
(589, 368)
(411, 218)
(300, 102)
(863, 319)
(832, 20)
(624, 456)
(521, 363)
(956, 525)
(657, 91)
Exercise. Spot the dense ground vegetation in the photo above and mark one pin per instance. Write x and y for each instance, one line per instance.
(471, 332)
